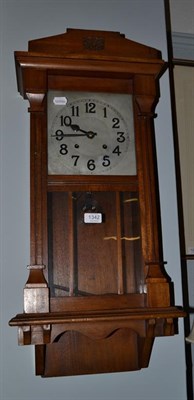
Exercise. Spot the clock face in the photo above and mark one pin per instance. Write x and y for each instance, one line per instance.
(90, 134)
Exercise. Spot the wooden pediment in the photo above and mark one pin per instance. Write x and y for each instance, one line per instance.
(76, 42)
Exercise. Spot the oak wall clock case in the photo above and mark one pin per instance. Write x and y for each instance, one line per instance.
(97, 293)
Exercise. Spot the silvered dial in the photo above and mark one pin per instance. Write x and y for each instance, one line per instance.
(90, 134)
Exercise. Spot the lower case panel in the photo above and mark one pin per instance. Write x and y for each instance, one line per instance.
(77, 354)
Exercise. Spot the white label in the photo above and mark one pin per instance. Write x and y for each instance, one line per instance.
(92, 218)
(60, 101)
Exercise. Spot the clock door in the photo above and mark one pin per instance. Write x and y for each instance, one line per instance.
(94, 243)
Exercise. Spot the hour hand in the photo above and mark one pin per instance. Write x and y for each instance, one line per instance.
(89, 134)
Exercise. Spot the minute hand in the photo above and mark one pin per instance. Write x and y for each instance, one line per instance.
(69, 135)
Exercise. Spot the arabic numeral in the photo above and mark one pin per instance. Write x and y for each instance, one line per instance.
(106, 161)
(63, 149)
(75, 111)
(90, 108)
(91, 165)
(65, 120)
(116, 123)
(58, 134)
(121, 137)
(75, 158)
(105, 112)
(117, 151)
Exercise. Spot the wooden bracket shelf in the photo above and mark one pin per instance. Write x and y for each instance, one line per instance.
(43, 328)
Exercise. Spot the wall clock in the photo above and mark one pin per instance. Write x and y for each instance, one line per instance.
(97, 293)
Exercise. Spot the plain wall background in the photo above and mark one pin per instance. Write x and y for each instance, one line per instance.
(21, 21)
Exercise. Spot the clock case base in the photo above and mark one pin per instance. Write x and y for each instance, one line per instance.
(96, 334)
(96, 341)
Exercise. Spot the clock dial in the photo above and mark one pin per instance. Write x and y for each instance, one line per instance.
(90, 134)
